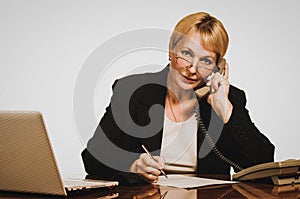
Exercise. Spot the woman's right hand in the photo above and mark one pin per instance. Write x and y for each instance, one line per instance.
(147, 167)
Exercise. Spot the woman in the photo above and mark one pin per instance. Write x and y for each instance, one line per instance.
(206, 134)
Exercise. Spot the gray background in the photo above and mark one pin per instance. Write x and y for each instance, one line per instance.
(44, 44)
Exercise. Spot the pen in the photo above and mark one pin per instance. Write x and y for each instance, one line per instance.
(148, 153)
(164, 195)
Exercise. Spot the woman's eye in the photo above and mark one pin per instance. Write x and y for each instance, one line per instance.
(186, 53)
(206, 61)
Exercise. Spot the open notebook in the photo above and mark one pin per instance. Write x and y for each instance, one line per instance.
(27, 159)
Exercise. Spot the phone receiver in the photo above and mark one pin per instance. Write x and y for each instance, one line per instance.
(203, 91)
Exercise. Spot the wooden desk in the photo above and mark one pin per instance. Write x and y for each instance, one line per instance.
(239, 190)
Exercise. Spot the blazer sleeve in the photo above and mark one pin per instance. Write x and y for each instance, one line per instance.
(242, 141)
(101, 157)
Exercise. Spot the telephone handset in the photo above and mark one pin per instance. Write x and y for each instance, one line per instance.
(203, 91)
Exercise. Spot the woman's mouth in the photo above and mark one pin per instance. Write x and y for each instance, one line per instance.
(189, 80)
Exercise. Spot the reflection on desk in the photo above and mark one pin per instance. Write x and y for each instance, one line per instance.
(240, 190)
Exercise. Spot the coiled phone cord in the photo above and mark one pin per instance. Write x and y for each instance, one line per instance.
(212, 144)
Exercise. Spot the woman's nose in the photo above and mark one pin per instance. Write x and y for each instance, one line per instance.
(192, 68)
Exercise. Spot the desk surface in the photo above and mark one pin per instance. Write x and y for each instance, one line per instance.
(239, 190)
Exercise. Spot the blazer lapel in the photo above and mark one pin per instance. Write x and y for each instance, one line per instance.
(150, 111)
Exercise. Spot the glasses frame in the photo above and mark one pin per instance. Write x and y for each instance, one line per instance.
(198, 68)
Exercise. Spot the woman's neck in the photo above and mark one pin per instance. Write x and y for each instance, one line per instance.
(177, 94)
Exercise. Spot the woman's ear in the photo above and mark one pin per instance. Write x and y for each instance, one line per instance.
(171, 55)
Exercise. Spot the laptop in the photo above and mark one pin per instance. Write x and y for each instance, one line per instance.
(27, 159)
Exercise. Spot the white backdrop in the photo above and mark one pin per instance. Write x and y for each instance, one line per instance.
(44, 44)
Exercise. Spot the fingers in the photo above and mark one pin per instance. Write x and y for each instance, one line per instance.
(161, 161)
(226, 71)
(149, 177)
(149, 168)
(214, 82)
(217, 80)
(157, 163)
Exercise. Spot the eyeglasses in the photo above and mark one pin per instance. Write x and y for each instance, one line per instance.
(206, 66)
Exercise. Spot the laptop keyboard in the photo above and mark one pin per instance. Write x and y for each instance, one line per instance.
(79, 183)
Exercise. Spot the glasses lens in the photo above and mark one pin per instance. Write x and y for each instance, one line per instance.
(207, 67)
(183, 63)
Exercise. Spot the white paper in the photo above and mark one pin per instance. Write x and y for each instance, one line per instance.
(181, 181)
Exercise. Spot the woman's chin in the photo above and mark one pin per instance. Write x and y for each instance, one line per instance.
(188, 86)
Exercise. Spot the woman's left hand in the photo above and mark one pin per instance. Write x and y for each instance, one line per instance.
(218, 98)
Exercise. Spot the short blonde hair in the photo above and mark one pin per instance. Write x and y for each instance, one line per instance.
(213, 34)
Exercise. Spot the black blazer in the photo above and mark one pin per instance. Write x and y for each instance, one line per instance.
(135, 116)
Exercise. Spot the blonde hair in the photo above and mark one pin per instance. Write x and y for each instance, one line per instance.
(213, 34)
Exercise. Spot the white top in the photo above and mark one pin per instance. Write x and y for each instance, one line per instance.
(179, 145)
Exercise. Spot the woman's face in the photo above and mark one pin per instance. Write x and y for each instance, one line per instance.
(190, 76)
